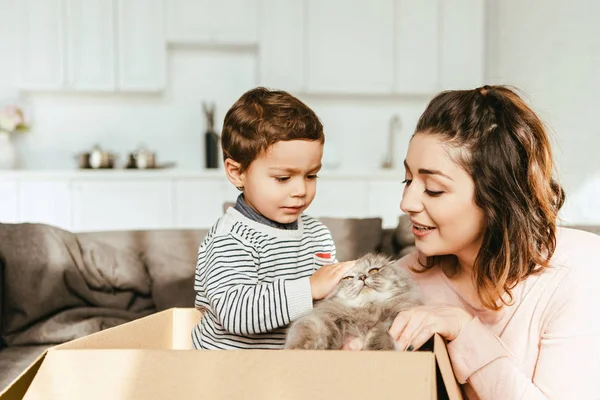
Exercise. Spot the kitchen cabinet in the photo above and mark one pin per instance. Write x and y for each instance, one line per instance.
(416, 48)
(91, 50)
(462, 47)
(46, 201)
(9, 212)
(42, 49)
(83, 201)
(223, 22)
(281, 53)
(350, 46)
(384, 200)
(198, 203)
(92, 45)
(339, 198)
(142, 46)
(122, 204)
(385, 47)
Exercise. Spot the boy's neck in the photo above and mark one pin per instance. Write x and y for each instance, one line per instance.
(251, 213)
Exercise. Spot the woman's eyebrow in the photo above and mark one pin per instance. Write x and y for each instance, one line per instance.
(426, 171)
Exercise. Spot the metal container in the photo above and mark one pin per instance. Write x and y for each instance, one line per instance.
(142, 158)
(96, 159)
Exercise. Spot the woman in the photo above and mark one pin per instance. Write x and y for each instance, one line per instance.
(516, 297)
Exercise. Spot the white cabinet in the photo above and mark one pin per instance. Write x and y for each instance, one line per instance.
(208, 21)
(339, 198)
(350, 46)
(45, 202)
(371, 46)
(142, 46)
(416, 48)
(41, 32)
(92, 45)
(122, 204)
(9, 212)
(462, 44)
(198, 203)
(281, 53)
(91, 50)
(384, 201)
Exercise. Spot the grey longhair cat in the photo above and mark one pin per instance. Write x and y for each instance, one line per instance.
(361, 308)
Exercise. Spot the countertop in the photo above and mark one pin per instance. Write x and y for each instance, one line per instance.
(175, 173)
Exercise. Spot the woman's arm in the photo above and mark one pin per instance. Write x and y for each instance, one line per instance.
(568, 365)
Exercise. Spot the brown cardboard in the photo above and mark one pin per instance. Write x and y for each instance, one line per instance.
(16, 390)
(152, 358)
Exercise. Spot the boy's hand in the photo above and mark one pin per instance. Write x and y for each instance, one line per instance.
(324, 280)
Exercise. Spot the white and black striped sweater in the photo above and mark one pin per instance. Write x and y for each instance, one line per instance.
(252, 280)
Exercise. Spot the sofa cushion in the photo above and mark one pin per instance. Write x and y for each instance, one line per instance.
(404, 235)
(354, 237)
(171, 258)
(59, 286)
(15, 359)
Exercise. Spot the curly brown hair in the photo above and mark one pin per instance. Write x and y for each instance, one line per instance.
(505, 148)
(263, 117)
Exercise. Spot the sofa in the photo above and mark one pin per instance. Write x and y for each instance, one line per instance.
(56, 285)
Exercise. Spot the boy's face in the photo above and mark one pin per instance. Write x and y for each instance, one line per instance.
(282, 182)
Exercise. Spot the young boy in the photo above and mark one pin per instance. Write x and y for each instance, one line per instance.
(264, 262)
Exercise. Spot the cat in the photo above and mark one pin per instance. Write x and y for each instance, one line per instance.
(360, 309)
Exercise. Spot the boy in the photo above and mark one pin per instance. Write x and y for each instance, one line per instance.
(264, 262)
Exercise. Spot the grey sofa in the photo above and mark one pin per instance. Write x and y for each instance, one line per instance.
(56, 285)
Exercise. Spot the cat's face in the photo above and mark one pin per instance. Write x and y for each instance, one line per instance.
(371, 280)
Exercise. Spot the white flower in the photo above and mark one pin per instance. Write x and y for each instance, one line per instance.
(8, 123)
(12, 119)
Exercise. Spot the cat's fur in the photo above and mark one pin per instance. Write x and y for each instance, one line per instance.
(357, 310)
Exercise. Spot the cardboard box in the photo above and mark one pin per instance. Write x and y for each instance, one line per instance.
(152, 358)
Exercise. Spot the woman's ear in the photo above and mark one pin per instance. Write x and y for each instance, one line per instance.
(234, 173)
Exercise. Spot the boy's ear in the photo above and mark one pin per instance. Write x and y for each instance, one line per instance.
(234, 174)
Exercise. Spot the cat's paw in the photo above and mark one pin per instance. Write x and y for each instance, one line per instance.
(379, 341)
(307, 344)
(354, 344)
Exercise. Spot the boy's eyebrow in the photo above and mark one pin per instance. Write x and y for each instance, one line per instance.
(428, 171)
(292, 170)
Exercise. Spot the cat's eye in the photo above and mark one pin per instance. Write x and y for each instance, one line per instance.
(374, 270)
(347, 278)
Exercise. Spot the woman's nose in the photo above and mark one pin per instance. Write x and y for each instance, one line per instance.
(411, 202)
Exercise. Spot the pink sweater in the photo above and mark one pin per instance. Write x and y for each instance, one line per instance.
(544, 346)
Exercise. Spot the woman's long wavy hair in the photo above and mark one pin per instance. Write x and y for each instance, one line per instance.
(505, 148)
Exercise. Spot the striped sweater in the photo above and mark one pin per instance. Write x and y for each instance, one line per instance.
(252, 280)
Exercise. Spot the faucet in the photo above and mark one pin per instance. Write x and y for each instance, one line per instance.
(388, 160)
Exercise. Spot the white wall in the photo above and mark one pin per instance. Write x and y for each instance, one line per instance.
(172, 123)
(551, 50)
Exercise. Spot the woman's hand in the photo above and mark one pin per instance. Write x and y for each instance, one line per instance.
(412, 328)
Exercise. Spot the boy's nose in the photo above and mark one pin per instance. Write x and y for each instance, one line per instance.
(299, 188)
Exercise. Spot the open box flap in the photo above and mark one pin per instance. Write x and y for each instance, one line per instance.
(256, 374)
(169, 329)
(443, 361)
(16, 390)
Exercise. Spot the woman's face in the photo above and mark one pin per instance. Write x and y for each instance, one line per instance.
(439, 197)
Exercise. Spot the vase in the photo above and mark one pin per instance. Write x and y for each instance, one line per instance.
(8, 154)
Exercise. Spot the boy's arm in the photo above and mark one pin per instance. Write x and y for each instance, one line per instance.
(331, 243)
(243, 306)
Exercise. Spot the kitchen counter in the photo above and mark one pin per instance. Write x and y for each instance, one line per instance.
(175, 173)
